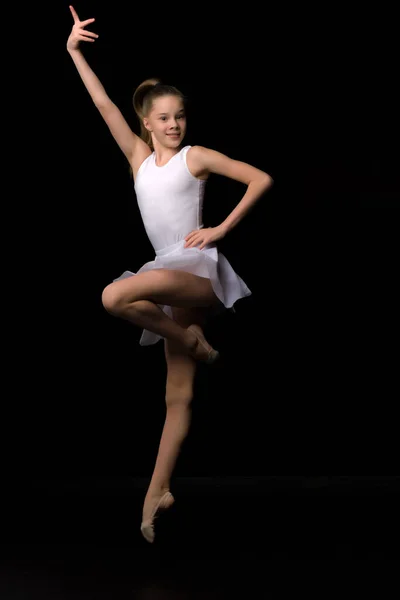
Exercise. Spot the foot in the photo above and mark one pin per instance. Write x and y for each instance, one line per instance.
(153, 505)
(200, 349)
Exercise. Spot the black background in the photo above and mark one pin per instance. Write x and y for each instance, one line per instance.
(308, 369)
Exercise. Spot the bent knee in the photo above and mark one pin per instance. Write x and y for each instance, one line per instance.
(112, 300)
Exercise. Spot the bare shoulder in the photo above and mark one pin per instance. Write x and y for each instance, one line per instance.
(142, 151)
(199, 155)
(196, 163)
(202, 160)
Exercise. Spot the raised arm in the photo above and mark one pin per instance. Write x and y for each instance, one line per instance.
(134, 148)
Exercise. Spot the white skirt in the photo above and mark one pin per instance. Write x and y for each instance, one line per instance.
(208, 262)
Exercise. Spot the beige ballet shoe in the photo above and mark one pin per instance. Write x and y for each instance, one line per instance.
(212, 355)
(147, 526)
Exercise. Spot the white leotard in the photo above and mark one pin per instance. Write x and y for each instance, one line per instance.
(170, 199)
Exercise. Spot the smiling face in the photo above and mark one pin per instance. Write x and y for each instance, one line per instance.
(167, 121)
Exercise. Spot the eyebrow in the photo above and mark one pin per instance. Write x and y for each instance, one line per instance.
(179, 111)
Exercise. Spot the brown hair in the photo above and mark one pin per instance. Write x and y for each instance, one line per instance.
(143, 98)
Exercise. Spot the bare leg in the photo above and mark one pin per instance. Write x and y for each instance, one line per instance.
(136, 299)
(179, 393)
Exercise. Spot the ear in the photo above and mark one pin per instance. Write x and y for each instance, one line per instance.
(146, 124)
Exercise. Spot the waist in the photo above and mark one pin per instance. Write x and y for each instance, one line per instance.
(179, 247)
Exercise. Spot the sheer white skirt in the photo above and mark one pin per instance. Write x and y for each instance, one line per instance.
(208, 262)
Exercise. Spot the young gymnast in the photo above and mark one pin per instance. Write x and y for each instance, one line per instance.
(171, 296)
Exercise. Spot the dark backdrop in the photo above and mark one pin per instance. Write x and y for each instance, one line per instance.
(307, 375)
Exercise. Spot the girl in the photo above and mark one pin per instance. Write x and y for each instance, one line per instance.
(171, 296)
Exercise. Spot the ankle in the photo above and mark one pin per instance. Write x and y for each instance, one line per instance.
(191, 341)
(156, 491)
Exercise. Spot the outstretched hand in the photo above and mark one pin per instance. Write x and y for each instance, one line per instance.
(204, 236)
(79, 33)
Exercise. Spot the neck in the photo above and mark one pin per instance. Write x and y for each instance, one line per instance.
(164, 154)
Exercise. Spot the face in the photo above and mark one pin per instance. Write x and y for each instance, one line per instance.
(167, 121)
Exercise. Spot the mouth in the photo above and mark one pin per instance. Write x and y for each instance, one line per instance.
(175, 135)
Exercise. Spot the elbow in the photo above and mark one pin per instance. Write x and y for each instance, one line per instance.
(268, 182)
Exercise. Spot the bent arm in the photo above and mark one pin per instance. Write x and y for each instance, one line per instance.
(256, 188)
(203, 160)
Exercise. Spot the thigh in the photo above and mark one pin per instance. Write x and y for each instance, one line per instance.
(164, 286)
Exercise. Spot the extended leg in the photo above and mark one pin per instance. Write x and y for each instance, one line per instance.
(181, 370)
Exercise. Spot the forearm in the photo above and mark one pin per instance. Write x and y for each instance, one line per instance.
(89, 78)
(255, 190)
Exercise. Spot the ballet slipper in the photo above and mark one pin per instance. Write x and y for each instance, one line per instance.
(212, 355)
(147, 526)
